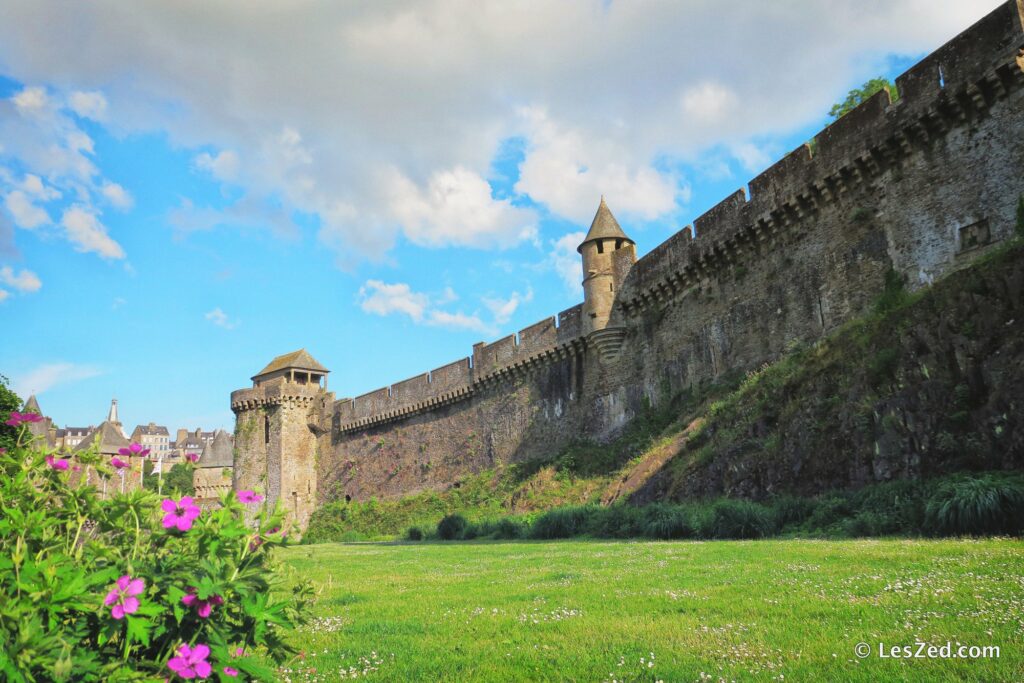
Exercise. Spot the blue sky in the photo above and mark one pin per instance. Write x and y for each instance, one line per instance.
(188, 191)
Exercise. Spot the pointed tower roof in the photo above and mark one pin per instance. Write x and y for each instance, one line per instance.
(219, 452)
(112, 414)
(111, 439)
(296, 360)
(604, 226)
(32, 406)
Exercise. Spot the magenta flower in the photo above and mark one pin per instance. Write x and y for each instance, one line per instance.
(191, 662)
(134, 449)
(118, 463)
(56, 464)
(122, 598)
(192, 457)
(230, 671)
(180, 514)
(203, 607)
(21, 418)
(249, 497)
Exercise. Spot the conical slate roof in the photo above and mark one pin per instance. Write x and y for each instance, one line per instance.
(604, 226)
(219, 452)
(32, 406)
(111, 439)
(297, 360)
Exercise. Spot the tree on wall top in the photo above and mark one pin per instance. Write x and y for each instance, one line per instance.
(858, 95)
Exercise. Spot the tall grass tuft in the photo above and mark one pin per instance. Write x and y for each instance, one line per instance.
(991, 503)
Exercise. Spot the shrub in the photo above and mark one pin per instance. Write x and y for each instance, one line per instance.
(414, 533)
(730, 518)
(121, 588)
(828, 512)
(791, 510)
(509, 529)
(561, 523)
(991, 503)
(667, 521)
(868, 523)
(616, 521)
(452, 528)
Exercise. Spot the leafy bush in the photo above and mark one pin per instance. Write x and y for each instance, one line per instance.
(667, 521)
(731, 518)
(509, 529)
(414, 533)
(452, 528)
(991, 503)
(828, 512)
(561, 523)
(791, 510)
(616, 521)
(131, 587)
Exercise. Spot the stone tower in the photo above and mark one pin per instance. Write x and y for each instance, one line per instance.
(608, 254)
(276, 432)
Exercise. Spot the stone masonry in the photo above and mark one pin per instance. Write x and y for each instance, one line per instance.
(920, 186)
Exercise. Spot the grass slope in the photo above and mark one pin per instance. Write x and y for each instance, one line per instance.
(602, 611)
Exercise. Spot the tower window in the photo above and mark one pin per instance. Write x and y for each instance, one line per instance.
(600, 246)
(618, 245)
(266, 429)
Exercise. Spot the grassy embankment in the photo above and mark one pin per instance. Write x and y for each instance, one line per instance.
(602, 611)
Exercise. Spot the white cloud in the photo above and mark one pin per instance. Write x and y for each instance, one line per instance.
(503, 309)
(567, 263)
(380, 298)
(31, 100)
(396, 127)
(457, 208)
(47, 376)
(460, 321)
(223, 167)
(88, 234)
(89, 105)
(119, 197)
(384, 299)
(25, 214)
(221, 319)
(708, 102)
(569, 173)
(4, 294)
(34, 186)
(24, 281)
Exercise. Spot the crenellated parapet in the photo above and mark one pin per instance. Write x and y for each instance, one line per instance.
(949, 89)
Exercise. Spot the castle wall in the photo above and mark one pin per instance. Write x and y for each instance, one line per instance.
(921, 186)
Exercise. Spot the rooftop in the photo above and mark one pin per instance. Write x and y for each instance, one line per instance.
(296, 360)
(604, 226)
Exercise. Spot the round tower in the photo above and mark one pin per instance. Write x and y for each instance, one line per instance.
(276, 423)
(608, 254)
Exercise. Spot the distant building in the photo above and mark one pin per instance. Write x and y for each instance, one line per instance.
(212, 476)
(192, 442)
(156, 438)
(108, 440)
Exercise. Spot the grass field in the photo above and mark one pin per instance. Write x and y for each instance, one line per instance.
(649, 611)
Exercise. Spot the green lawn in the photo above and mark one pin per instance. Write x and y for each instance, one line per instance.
(596, 611)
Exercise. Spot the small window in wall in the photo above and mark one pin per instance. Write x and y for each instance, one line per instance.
(600, 246)
(266, 429)
(618, 245)
(974, 235)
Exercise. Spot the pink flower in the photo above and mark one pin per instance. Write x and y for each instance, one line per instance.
(205, 607)
(134, 449)
(21, 418)
(249, 497)
(192, 457)
(255, 543)
(61, 464)
(191, 662)
(180, 515)
(122, 598)
(118, 463)
(76, 468)
(230, 671)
